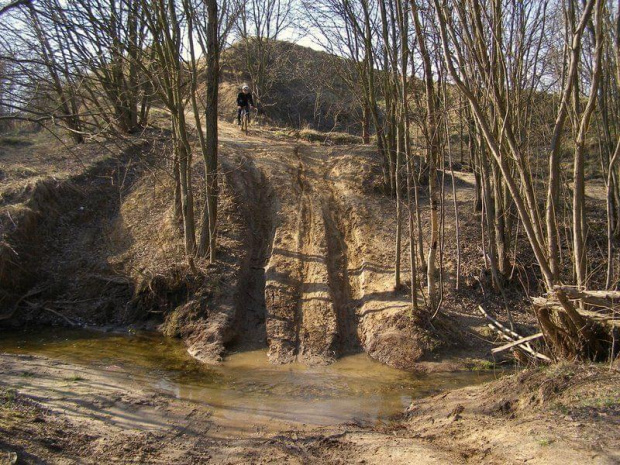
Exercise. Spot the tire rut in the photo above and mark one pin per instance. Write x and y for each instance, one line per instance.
(311, 313)
(251, 306)
(303, 239)
(318, 321)
(328, 288)
(340, 279)
(285, 271)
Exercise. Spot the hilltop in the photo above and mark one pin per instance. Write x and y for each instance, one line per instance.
(303, 88)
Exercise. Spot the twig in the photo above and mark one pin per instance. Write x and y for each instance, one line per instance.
(111, 279)
(28, 294)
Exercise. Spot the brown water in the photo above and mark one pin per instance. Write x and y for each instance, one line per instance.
(246, 388)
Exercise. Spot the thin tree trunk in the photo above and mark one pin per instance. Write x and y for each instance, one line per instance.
(366, 124)
(209, 223)
(579, 225)
(433, 155)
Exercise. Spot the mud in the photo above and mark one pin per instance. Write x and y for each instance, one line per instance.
(130, 410)
(78, 396)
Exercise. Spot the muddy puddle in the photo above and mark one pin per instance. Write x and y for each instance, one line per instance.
(246, 391)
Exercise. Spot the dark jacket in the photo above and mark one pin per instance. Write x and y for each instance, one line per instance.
(243, 100)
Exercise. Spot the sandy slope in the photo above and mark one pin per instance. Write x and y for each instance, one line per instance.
(329, 275)
(305, 261)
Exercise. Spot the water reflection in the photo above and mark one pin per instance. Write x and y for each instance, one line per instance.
(246, 389)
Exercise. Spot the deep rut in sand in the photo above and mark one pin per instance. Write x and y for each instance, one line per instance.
(318, 328)
(339, 279)
(328, 278)
(303, 239)
(310, 316)
(251, 306)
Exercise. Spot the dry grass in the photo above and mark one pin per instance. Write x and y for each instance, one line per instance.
(323, 138)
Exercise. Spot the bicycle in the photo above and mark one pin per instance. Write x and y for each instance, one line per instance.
(245, 119)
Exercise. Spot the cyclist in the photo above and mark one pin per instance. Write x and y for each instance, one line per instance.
(245, 102)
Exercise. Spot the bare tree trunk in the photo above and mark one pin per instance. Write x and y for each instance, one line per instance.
(475, 165)
(432, 157)
(187, 198)
(213, 55)
(366, 124)
(178, 209)
(553, 192)
(209, 221)
(403, 125)
(412, 242)
(399, 210)
(579, 226)
(503, 261)
(490, 217)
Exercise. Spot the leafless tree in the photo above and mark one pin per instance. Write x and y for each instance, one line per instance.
(261, 23)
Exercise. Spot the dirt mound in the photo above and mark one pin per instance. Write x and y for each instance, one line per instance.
(561, 414)
(301, 89)
(304, 264)
(328, 278)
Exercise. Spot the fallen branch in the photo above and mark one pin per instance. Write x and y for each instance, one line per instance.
(512, 337)
(51, 310)
(500, 326)
(611, 317)
(516, 343)
(575, 293)
(30, 293)
(526, 347)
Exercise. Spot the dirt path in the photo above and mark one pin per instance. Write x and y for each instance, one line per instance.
(305, 262)
(329, 277)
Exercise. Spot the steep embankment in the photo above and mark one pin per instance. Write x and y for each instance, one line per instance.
(58, 206)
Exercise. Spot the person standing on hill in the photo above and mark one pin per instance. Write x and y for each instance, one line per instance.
(245, 102)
